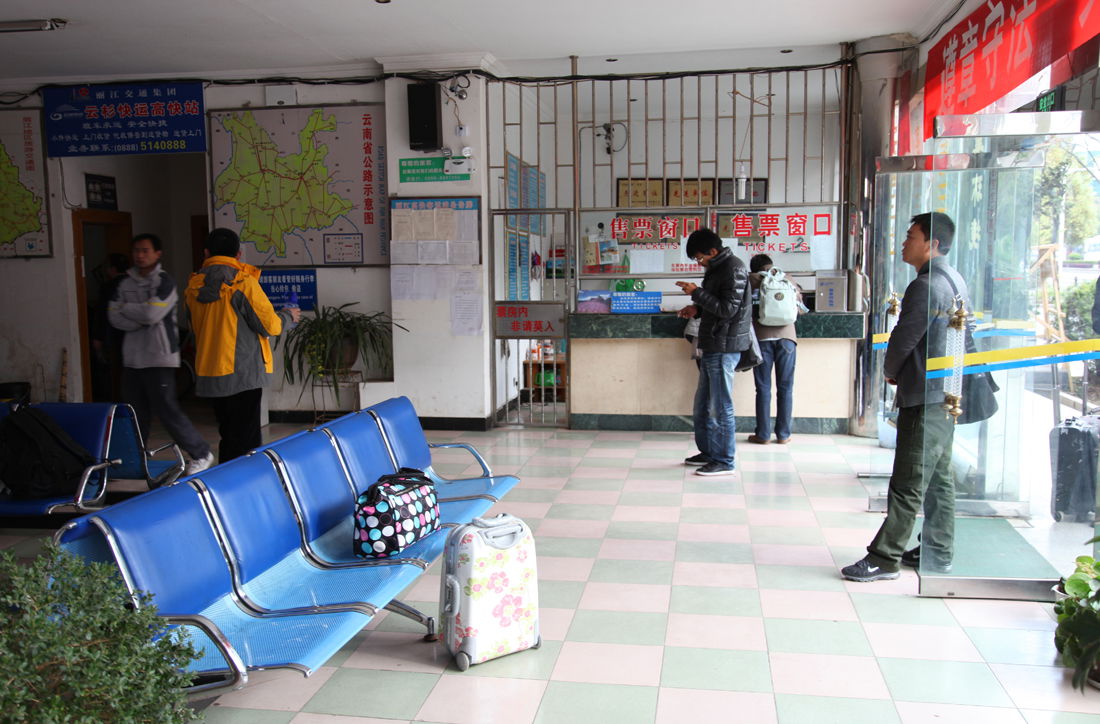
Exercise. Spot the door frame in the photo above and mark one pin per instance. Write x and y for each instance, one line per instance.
(119, 226)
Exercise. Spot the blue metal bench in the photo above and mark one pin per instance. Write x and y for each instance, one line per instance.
(109, 432)
(163, 543)
(255, 554)
(409, 448)
(256, 523)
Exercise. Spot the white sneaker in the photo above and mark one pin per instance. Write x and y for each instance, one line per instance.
(199, 464)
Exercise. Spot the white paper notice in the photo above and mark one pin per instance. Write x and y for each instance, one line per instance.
(465, 253)
(425, 283)
(466, 226)
(466, 314)
(444, 223)
(646, 261)
(404, 252)
(467, 280)
(823, 252)
(401, 282)
(424, 224)
(402, 224)
(433, 252)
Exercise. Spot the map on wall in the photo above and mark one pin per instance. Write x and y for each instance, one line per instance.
(302, 186)
(24, 230)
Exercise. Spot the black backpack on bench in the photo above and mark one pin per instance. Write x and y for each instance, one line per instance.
(38, 459)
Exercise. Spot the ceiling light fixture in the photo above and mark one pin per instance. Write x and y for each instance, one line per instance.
(612, 60)
(25, 26)
(786, 50)
(382, 2)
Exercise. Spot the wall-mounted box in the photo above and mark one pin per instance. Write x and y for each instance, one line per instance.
(831, 293)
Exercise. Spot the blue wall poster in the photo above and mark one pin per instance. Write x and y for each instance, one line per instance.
(105, 120)
(513, 266)
(511, 184)
(524, 266)
(279, 284)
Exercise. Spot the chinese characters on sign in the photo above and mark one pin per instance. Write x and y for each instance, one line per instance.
(999, 46)
(529, 319)
(279, 285)
(95, 120)
(642, 228)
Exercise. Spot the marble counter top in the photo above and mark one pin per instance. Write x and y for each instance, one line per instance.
(831, 325)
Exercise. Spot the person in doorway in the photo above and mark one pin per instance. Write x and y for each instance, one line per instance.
(106, 353)
(232, 320)
(922, 461)
(724, 333)
(143, 307)
(778, 346)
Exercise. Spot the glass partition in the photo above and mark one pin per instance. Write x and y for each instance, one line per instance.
(1025, 212)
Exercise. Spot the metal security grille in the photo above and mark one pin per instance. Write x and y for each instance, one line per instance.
(562, 151)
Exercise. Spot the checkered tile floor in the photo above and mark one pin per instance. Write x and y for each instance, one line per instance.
(668, 597)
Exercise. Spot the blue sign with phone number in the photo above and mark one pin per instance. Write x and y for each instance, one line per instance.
(108, 120)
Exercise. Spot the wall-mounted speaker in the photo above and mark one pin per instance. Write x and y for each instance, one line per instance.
(425, 121)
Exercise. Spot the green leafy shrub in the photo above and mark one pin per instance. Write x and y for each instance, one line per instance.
(73, 648)
(1077, 636)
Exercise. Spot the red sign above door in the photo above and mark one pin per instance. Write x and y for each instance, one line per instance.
(999, 46)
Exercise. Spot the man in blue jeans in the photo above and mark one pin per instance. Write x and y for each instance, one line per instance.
(778, 347)
(723, 305)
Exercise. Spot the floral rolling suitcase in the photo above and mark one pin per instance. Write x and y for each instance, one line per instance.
(489, 590)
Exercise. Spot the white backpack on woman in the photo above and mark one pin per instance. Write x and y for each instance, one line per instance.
(778, 299)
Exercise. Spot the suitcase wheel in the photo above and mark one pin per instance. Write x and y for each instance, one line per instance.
(462, 660)
(1058, 516)
(538, 643)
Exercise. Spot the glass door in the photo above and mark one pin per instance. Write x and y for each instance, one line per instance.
(1025, 210)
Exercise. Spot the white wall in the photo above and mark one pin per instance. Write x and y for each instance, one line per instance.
(443, 374)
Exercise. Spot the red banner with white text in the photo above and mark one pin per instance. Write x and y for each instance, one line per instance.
(999, 46)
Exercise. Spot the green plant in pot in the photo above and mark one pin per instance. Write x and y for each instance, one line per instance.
(1077, 636)
(322, 348)
(74, 648)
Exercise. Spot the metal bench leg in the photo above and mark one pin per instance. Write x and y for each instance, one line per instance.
(403, 609)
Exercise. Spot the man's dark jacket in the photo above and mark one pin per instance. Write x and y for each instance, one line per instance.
(726, 319)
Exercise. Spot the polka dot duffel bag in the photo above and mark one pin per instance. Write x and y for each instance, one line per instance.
(394, 513)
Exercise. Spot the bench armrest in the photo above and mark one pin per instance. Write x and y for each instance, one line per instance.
(170, 475)
(485, 471)
(78, 499)
(232, 658)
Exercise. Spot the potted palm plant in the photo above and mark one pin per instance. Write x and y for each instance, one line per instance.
(1077, 636)
(324, 347)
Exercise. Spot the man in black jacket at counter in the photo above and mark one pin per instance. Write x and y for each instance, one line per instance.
(724, 333)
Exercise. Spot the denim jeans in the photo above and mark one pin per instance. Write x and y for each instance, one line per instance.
(922, 477)
(779, 353)
(713, 414)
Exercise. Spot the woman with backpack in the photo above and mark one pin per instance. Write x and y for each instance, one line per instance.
(776, 304)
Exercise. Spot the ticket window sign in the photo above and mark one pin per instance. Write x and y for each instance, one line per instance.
(526, 320)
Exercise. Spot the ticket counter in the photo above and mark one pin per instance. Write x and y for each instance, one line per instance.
(634, 372)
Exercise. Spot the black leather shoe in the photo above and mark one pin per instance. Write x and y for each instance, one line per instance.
(911, 558)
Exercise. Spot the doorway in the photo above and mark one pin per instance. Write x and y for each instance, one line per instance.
(101, 244)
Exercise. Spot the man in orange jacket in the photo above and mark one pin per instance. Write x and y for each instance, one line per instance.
(233, 319)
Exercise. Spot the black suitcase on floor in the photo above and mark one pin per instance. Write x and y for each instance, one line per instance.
(1074, 447)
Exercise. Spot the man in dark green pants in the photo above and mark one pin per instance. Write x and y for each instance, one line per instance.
(922, 461)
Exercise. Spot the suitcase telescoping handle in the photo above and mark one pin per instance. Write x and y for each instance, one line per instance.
(502, 532)
(451, 594)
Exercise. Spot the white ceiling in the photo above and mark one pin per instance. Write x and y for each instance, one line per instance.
(148, 38)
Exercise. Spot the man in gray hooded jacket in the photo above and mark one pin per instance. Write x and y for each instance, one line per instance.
(143, 306)
(922, 461)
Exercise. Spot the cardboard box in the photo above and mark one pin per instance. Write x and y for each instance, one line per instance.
(832, 292)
